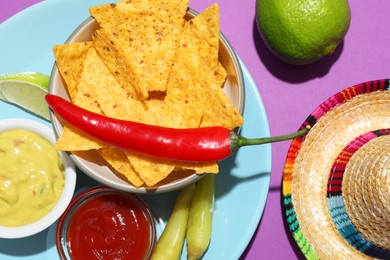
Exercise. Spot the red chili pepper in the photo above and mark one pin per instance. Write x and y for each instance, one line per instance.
(203, 144)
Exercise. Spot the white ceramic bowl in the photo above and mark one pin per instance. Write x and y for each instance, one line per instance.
(69, 182)
(92, 165)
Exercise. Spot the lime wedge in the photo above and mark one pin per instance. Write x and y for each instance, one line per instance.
(27, 90)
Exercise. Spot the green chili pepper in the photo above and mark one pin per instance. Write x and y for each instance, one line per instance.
(171, 241)
(200, 218)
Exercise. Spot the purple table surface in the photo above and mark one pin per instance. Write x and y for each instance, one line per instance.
(291, 93)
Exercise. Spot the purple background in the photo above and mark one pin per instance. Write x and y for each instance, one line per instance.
(291, 93)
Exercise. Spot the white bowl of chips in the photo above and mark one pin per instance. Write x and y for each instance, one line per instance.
(91, 60)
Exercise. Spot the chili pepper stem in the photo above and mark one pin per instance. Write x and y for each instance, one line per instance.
(240, 141)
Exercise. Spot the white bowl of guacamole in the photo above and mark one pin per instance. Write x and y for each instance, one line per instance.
(36, 181)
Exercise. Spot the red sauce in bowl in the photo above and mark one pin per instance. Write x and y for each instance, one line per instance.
(107, 225)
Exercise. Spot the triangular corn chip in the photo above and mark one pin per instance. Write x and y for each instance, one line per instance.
(144, 34)
(70, 59)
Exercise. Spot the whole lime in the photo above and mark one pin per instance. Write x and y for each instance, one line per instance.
(302, 31)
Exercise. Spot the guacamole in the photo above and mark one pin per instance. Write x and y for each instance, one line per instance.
(31, 177)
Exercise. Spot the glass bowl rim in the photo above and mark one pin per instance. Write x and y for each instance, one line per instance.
(90, 193)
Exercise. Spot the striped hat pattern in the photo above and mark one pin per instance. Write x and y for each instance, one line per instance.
(336, 180)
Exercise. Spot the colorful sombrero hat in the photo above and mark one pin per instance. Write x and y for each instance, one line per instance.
(336, 182)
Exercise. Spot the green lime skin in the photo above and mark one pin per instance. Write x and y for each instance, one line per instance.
(300, 32)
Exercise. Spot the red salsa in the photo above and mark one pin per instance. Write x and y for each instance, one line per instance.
(109, 226)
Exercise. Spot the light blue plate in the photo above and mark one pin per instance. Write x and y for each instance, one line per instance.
(242, 184)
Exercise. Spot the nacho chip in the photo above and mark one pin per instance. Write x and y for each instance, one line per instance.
(73, 140)
(109, 97)
(198, 168)
(220, 73)
(217, 108)
(70, 59)
(109, 48)
(74, 61)
(219, 111)
(205, 32)
(118, 160)
(144, 34)
(151, 170)
(205, 29)
(184, 91)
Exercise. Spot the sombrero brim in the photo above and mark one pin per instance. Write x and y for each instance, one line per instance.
(318, 217)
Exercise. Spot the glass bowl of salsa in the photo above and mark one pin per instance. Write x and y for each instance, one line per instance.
(105, 223)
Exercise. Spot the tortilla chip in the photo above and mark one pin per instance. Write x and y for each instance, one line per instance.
(187, 82)
(220, 73)
(184, 91)
(73, 140)
(145, 36)
(151, 170)
(205, 32)
(118, 160)
(109, 48)
(107, 94)
(218, 110)
(198, 168)
(70, 59)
